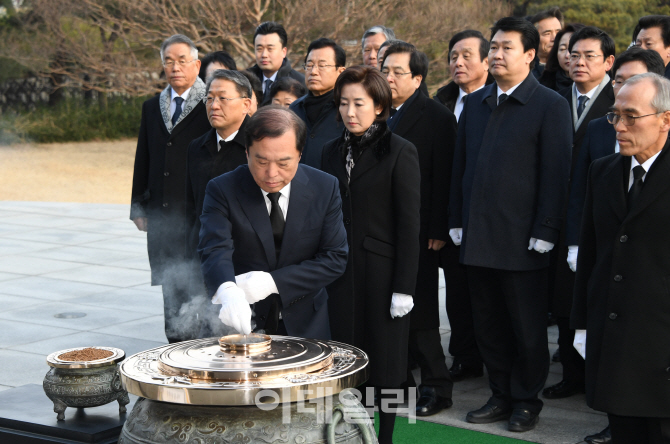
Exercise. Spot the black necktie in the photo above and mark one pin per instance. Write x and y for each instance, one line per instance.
(501, 98)
(268, 85)
(581, 104)
(222, 145)
(276, 220)
(634, 191)
(177, 110)
(393, 111)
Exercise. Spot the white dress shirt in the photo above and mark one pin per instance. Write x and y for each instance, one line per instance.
(273, 78)
(173, 104)
(285, 194)
(646, 165)
(227, 139)
(460, 101)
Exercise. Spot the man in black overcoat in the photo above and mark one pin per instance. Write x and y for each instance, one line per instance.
(432, 129)
(590, 97)
(622, 303)
(169, 122)
(218, 151)
(509, 184)
(270, 40)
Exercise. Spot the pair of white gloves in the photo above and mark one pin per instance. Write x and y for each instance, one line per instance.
(249, 288)
(538, 245)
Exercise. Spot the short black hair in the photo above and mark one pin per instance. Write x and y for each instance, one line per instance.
(530, 38)
(266, 28)
(273, 121)
(554, 12)
(418, 61)
(468, 34)
(591, 32)
(289, 85)
(340, 55)
(651, 59)
(255, 85)
(654, 21)
(221, 57)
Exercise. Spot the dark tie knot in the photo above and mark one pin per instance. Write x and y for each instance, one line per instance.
(274, 197)
(501, 98)
(178, 101)
(638, 172)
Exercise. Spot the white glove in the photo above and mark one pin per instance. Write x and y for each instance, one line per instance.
(235, 311)
(572, 257)
(580, 342)
(456, 235)
(539, 245)
(257, 285)
(401, 304)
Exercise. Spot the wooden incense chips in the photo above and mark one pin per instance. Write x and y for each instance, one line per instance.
(86, 354)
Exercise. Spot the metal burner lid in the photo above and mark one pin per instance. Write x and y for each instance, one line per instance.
(240, 369)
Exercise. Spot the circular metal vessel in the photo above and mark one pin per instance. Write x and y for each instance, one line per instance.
(84, 383)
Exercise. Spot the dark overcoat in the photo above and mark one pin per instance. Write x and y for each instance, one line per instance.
(159, 177)
(431, 128)
(562, 279)
(325, 128)
(236, 237)
(622, 289)
(599, 141)
(510, 175)
(448, 94)
(285, 71)
(381, 216)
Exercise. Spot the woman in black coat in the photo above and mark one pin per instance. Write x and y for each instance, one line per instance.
(555, 75)
(380, 187)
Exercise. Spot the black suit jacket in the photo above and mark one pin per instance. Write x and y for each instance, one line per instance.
(159, 182)
(285, 71)
(236, 237)
(510, 175)
(622, 289)
(599, 141)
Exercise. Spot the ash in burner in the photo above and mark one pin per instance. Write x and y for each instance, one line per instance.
(86, 354)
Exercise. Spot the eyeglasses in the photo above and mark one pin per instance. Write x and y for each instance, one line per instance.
(588, 58)
(321, 66)
(222, 100)
(394, 74)
(627, 119)
(171, 63)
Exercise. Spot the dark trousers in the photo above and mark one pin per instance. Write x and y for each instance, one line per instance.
(181, 320)
(634, 430)
(462, 344)
(510, 319)
(425, 348)
(573, 363)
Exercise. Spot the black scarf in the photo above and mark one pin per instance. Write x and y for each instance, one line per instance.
(376, 138)
(314, 105)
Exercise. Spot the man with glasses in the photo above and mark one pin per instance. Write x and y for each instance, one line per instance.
(621, 300)
(324, 63)
(591, 95)
(169, 122)
(431, 128)
(218, 151)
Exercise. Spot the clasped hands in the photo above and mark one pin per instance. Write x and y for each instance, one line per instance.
(538, 245)
(235, 298)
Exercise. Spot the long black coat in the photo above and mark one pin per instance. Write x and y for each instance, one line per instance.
(510, 175)
(431, 128)
(562, 279)
(622, 289)
(380, 206)
(159, 181)
(205, 162)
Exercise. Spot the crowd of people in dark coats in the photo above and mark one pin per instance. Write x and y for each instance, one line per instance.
(496, 182)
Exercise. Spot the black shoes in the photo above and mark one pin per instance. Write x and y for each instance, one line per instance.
(488, 414)
(522, 420)
(603, 437)
(459, 372)
(430, 402)
(563, 389)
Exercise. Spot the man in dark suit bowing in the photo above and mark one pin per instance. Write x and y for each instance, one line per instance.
(590, 96)
(272, 234)
(432, 129)
(169, 122)
(621, 303)
(509, 184)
